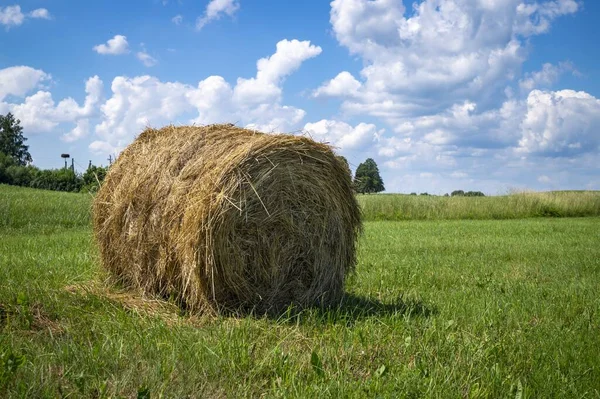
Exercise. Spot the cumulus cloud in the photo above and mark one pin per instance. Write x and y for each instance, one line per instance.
(80, 131)
(446, 78)
(535, 18)
(560, 123)
(439, 53)
(11, 16)
(344, 84)
(546, 77)
(40, 114)
(254, 102)
(40, 13)
(115, 46)
(272, 70)
(136, 103)
(342, 135)
(20, 80)
(216, 9)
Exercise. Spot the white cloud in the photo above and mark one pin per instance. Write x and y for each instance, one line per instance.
(40, 13)
(445, 77)
(440, 53)
(20, 80)
(80, 131)
(102, 147)
(177, 19)
(146, 58)
(139, 102)
(11, 16)
(535, 18)
(265, 87)
(115, 46)
(256, 102)
(344, 84)
(35, 113)
(546, 77)
(215, 9)
(342, 135)
(40, 114)
(560, 123)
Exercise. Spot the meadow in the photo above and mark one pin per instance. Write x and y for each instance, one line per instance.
(452, 297)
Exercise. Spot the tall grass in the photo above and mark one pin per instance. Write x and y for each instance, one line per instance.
(513, 206)
(22, 207)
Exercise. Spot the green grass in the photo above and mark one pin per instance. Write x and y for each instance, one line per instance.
(513, 206)
(440, 308)
(22, 207)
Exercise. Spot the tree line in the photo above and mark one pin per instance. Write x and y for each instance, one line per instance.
(16, 168)
(367, 180)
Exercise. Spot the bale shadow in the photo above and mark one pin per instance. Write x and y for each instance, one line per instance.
(350, 309)
(353, 308)
(356, 306)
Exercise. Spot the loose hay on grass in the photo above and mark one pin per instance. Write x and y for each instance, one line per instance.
(220, 217)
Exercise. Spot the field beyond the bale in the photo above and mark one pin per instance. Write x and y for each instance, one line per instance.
(481, 302)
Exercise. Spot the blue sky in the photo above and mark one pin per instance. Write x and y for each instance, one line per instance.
(490, 95)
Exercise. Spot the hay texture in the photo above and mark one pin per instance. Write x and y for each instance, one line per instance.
(220, 217)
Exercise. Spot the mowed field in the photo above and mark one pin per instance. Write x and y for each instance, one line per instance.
(448, 306)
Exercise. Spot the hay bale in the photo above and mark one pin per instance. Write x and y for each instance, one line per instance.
(221, 217)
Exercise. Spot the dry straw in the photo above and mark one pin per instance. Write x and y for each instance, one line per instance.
(220, 217)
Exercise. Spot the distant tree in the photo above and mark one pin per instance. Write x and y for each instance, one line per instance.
(413, 193)
(446, 195)
(458, 193)
(474, 194)
(12, 140)
(93, 178)
(367, 178)
(5, 163)
(425, 193)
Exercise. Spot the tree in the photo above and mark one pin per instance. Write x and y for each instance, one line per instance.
(474, 194)
(93, 178)
(12, 140)
(367, 178)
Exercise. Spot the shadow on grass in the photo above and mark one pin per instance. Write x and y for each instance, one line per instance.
(353, 308)
(360, 306)
(349, 310)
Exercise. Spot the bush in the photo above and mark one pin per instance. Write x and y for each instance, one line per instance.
(461, 193)
(30, 176)
(474, 194)
(20, 175)
(5, 163)
(93, 178)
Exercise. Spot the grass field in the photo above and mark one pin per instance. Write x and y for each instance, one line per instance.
(436, 308)
(513, 206)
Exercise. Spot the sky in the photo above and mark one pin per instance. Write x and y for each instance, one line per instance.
(486, 95)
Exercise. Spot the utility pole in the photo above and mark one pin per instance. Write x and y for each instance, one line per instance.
(73, 165)
(109, 160)
(65, 157)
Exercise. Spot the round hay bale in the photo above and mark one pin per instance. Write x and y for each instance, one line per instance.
(220, 217)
